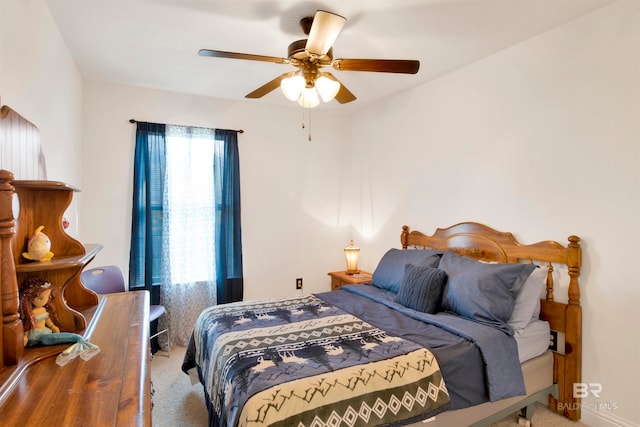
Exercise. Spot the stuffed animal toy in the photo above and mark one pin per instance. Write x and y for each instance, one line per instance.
(37, 309)
(38, 314)
(38, 246)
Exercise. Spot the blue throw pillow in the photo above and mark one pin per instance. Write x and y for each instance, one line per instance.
(421, 288)
(390, 270)
(482, 292)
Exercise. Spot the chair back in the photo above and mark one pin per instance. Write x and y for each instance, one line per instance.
(104, 280)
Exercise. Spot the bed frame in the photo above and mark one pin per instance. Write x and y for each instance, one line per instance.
(484, 243)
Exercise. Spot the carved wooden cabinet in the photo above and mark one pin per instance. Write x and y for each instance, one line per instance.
(112, 388)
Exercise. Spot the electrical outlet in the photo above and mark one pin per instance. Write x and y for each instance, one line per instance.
(557, 342)
(299, 283)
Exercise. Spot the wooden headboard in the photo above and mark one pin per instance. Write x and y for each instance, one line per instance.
(484, 243)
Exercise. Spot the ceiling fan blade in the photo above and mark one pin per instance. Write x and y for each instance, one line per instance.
(268, 87)
(236, 55)
(324, 31)
(344, 95)
(403, 66)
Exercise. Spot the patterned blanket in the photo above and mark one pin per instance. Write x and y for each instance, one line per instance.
(302, 362)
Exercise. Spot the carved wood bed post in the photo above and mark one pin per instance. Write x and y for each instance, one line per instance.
(574, 261)
(11, 335)
(572, 368)
(404, 236)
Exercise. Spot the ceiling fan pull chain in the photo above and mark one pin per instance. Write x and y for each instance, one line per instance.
(304, 110)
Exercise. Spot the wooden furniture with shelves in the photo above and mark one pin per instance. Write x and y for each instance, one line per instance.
(43, 203)
(341, 278)
(113, 387)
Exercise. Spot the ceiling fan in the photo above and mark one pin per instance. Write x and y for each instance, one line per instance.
(309, 84)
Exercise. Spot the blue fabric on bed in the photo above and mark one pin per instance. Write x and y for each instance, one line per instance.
(460, 360)
(241, 350)
(388, 274)
(421, 288)
(499, 350)
(482, 292)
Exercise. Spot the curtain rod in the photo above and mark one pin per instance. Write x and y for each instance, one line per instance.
(233, 130)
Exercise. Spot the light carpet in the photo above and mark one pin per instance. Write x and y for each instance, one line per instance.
(178, 403)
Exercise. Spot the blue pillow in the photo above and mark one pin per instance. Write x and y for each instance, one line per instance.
(390, 270)
(482, 292)
(421, 288)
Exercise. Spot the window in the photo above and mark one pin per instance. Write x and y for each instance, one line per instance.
(185, 226)
(190, 201)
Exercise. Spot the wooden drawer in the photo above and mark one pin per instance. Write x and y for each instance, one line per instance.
(341, 278)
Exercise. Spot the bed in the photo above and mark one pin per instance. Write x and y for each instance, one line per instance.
(457, 328)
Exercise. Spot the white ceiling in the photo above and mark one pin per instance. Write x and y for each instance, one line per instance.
(154, 43)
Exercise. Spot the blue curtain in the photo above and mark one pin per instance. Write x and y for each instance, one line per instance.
(145, 258)
(228, 233)
(145, 263)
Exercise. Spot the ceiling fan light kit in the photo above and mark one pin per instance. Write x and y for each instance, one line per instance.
(308, 92)
(327, 88)
(309, 98)
(308, 85)
(292, 86)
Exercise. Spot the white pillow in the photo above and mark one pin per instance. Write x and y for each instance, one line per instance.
(528, 300)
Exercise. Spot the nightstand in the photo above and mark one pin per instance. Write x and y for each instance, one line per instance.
(341, 278)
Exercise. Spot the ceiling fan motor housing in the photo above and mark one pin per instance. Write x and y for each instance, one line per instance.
(296, 51)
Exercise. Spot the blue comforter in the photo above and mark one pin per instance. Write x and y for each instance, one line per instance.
(477, 362)
(503, 374)
(301, 361)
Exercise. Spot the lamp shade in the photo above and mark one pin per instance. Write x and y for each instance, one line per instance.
(352, 252)
(309, 97)
(292, 86)
(327, 88)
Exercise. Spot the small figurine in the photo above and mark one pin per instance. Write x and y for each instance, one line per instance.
(38, 246)
(38, 314)
(37, 310)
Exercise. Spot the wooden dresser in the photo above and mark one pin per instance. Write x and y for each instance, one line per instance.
(113, 388)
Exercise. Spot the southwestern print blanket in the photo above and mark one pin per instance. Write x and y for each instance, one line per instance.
(302, 362)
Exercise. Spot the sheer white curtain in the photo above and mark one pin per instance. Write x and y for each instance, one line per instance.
(189, 270)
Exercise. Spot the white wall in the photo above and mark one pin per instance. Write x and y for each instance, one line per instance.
(542, 139)
(293, 204)
(39, 79)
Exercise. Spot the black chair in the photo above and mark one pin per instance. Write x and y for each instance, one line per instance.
(108, 280)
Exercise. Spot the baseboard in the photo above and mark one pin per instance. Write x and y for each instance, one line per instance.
(595, 418)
